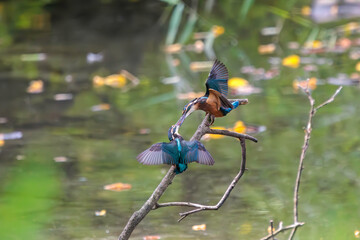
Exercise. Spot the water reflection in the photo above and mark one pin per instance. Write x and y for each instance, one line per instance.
(52, 178)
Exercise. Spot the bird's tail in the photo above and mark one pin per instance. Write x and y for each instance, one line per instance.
(180, 168)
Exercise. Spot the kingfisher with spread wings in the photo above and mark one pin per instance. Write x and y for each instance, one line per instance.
(215, 100)
(177, 152)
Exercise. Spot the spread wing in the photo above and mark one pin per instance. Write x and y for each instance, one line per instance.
(194, 151)
(159, 153)
(218, 78)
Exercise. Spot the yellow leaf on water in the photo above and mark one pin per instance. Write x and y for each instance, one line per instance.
(98, 81)
(266, 49)
(237, 82)
(173, 48)
(217, 30)
(292, 61)
(115, 80)
(306, 10)
(2, 142)
(118, 187)
(316, 44)
(201, 227)
(269, 229)
(154, 237)
(357, 67)
(36, 86)
(100, 213)
(100, 107)
(239, 127)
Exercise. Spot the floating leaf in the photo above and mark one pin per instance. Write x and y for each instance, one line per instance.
(2, 142)
(269, 230)
(100, 213)
(173, 48)
(316, 44)
(267, 48)
(239, 127)
(217, 30)
(292, 61)
(63, 96)
(357, 233)
(114, 80)
(237, 82)
(100, 107)
(154, 237)
(306, 10)
(118, 187)
(190, 95)
(201, 227)
(201, 66)
(36, 86)
(357, 67)
(60, 159)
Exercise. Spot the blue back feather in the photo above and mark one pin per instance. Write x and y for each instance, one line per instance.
(218, 78)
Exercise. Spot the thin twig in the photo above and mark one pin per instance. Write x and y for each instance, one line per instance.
(200, 207)
(305, 146)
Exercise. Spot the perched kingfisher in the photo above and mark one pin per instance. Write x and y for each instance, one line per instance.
(214, 101)
(178, 152)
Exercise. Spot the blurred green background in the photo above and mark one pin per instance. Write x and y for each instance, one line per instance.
(82, 125)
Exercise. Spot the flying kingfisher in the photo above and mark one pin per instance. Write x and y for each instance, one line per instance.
(178, 152)
(214, 101)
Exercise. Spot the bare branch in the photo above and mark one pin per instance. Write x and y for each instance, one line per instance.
(282, 229)
(305, 146)
(200, 207)
(230, 134)
(331, 99)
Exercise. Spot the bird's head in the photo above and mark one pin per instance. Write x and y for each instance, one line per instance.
(173, 132)
(188, 109)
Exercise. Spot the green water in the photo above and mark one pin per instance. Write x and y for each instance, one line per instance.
(44, 199)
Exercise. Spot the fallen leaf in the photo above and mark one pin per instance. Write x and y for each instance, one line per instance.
(36, 86)
(269, 229)
(118, 187)
(239, 127)
(173, 48)
(316, 44)
(63, 96)
(201, 66)
(292, 61)
(151, 237)
(100, 107)
(114, 80)
(190, 95)
(217, 30)
(266, 49)
(100, 213)
(357, 67)
(2, 142)
(357, 233)
(237, 82)
(201, 227)
(60, 159)
(306, 10)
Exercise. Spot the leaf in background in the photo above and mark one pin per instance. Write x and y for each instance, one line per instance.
(118, 187)
(201, 227)
(189, 27)
(292, 61)
(245, 8)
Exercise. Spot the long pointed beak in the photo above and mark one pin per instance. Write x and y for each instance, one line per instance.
(181, 120)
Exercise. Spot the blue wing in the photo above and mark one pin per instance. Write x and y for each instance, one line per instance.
(194, 151)
(159, 153)
(218, 78)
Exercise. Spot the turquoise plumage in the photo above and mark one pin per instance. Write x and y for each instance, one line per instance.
(177, 152)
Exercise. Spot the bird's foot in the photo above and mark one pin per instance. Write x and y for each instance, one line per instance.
(211, 120)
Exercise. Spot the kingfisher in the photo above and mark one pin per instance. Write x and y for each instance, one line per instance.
(215, 100)
(177, 152)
